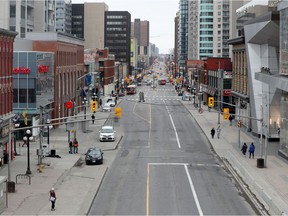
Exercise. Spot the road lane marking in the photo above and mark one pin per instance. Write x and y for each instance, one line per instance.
(189, 179)
(137, 114)
(147, 189)
(176, 134)
(193, 191)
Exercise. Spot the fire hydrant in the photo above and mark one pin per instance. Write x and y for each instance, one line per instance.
(40, 168)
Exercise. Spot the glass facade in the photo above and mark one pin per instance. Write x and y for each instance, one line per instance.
(284, 42)
(33, 80)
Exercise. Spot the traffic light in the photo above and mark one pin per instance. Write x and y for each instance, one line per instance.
(211, 102)
(118, 112)
(93, 106)
(239, 124)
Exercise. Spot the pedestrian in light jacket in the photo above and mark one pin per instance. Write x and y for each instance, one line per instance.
(52, 199)
(251, 150)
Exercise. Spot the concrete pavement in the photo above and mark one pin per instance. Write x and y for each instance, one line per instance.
(76, 184)
(269, 185)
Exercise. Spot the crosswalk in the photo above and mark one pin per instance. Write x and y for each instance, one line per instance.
(154, 98)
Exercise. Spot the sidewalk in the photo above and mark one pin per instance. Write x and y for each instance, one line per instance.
(268, 184)
(74, 183)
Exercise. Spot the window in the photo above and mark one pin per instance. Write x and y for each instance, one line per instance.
(12, 11)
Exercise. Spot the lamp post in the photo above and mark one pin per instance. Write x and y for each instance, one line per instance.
(16, 125)
(220, 83)
(84, 102)
(48, 121)
(194, 92)
(200, 93)
(27, 138)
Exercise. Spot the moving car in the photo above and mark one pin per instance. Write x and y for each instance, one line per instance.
(111, 102)
(107, 133)
(106, 108)
(163, 82)
(94, 156)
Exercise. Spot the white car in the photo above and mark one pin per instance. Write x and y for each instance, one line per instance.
(110, 102)
(106, 108)
(107, 133)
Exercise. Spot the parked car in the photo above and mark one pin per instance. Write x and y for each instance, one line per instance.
(94, 156)
(107, 133)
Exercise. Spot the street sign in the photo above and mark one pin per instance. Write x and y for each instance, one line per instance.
(69, 104)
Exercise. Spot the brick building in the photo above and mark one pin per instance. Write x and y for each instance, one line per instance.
(6, 89)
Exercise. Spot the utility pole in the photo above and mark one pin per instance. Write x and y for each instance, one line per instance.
(40, 137)
(220, 82)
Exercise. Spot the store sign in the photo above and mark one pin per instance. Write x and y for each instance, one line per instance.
(43, 69)
(21, 70)
(227, 92)
(5, 131)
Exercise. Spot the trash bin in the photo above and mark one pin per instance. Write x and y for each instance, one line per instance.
(53, 153)
(6, 158)
(260, 163)
(11, 186)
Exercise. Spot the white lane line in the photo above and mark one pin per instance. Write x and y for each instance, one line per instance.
(176, 134)
(193, 191)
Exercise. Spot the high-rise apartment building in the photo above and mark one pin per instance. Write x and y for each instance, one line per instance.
(63, 16)
(183, 35)
(78, 20)
(118, 35)
(28, 16)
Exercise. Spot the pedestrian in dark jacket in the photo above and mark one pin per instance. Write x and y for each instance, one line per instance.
(251, 150)
(52, 199)
(244, 149)
(93, 118)
(230, 119)
(70, 146)
(212, 132)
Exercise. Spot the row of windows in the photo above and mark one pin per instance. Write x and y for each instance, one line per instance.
(206, 38)
(206, 26)
(116, 17)
(116, 35)
(117, 23)
(208, 20)
(206, 14)
(24, 96)
(206, 32)
(116, 29)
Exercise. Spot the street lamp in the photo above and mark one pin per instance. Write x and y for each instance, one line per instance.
(27, 138)
(48, 121)
(16, 125)
(84, 102)
(194, 92)
(200, 93)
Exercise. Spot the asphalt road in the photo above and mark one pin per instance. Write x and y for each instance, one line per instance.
(165, 165)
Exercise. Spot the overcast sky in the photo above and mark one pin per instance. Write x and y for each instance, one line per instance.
(160, 14)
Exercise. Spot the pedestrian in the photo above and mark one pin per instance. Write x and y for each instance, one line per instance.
(251, 150)
(244, 149)
(230, 119)
(212, 133)
(93, 117)
(218, 131)
(75, 146)
(52, 199)
(100, 104)
(70, 147)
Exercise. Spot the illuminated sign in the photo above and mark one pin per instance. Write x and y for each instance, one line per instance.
(21, 70)
(43, 68)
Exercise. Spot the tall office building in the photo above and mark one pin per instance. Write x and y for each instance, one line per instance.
(27, 16)
(140, 30)
(118, 35)
(63, 16)
(88, 22)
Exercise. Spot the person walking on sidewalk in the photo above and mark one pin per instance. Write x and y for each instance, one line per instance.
(75, 146)
(212, 133)
(230, 120)
(251, 150)
(244, 149)
(100, 104)
(218, 131)
(52, 199)
(93, 117)
(70, 147)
